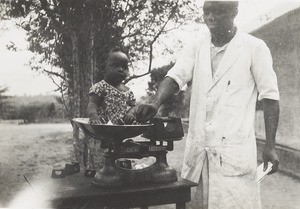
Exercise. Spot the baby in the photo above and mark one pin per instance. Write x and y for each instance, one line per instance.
(110, 100)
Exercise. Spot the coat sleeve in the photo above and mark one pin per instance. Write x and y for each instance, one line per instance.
(263, 73)
(182, 71)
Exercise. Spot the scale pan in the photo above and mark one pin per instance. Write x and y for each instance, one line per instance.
(110, 133)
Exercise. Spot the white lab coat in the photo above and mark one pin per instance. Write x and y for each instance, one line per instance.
(222, 114)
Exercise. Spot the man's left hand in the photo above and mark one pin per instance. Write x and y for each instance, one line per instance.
(269, 155)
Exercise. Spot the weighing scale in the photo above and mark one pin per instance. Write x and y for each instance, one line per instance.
(157, 138)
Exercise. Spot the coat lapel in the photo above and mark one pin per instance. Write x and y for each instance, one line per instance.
(230, 56)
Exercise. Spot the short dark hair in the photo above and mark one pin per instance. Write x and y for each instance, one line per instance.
(116, 49)
(227, 4)
(112, 58)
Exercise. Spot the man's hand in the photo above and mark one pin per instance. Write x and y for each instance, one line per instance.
(166, 89)
(145, 112)
(269, 155)
(271, 116)
(129, 118)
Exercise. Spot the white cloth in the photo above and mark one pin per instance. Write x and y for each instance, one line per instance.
(216, 55)
(200, 193)
(222, 114)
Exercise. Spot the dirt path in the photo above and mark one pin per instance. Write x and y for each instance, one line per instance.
(33, 149)
(30, 149)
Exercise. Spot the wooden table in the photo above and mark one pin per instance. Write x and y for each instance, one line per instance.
(76, 191)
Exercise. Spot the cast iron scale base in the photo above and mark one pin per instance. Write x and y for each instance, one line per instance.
(160, 132)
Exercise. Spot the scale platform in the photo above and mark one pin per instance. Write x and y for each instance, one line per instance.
(159, 136)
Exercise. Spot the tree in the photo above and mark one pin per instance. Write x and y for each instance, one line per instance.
(5, 106)
(178, 104)
(75, 36)
(30, 113)
(51, 109)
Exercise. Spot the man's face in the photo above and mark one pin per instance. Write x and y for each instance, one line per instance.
(219, 15)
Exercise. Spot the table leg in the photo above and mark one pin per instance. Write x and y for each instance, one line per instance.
(180, 205)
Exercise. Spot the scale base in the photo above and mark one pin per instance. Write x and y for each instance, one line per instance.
(111, 175)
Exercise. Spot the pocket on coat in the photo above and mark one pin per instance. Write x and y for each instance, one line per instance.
(237, 159)
(236, 95)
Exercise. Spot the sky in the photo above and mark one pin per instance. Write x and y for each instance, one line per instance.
(14, 71)
(21, 80)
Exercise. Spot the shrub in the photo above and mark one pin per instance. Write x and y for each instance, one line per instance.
(178, 105)
(29, 113)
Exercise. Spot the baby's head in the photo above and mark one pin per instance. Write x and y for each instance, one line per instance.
(117, 67)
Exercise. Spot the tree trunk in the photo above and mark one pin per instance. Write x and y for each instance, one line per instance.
(92, 57)
(89, 145)
(76, 75)
(74, 97)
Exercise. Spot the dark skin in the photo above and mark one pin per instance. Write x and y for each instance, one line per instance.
(219, 18)
(116, 72)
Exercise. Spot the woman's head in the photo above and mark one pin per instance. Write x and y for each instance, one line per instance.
(117, 67)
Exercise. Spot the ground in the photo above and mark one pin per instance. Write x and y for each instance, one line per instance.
(30, 149)
(34, 149)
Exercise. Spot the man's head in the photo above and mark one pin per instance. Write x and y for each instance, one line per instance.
(116, 67)
(219, 15)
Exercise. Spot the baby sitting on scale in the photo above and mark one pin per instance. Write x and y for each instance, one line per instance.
(111, 102)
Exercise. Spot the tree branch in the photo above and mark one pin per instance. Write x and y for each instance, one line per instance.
(131, 35)
(61, 89)
(135, 76)
(54, 73)
(151, 46)
(158, 34)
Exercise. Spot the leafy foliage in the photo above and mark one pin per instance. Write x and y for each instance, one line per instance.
(37, 112)
(75, 36)
(178, 105)
(35, 109)
(5, 106)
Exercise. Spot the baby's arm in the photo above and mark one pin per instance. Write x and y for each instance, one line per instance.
(129, 118)
(92, 109)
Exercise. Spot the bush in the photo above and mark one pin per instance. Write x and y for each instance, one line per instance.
(36, 109)
(178, 105)
(29, 113)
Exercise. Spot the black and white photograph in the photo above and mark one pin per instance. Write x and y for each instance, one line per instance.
(151, 104)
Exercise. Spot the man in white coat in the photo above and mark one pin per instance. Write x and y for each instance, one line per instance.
(229, 71)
